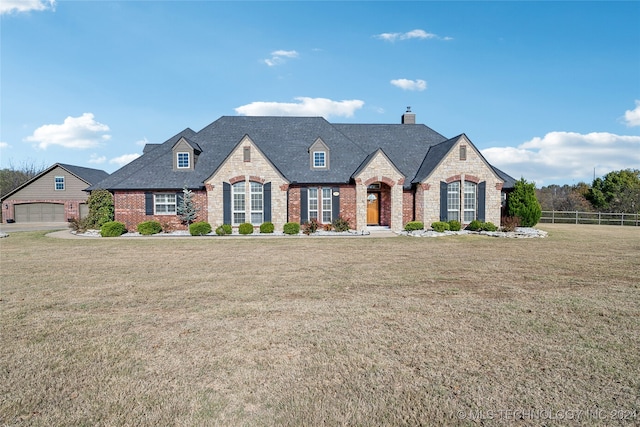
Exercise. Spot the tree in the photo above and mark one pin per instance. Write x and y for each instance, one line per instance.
(522, 202)
(564, 198)
(618, 191)
(12, 177)
(100, 208)
(186, 210)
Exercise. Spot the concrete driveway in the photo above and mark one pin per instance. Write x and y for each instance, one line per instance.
(32, 226)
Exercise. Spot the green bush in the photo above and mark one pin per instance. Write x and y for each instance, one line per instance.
(200, 228)
(522, 202)
(149, 227)
(475, 225)
(489, 226)
(245, 228)
(341, 224)
(224, 229)
(112, 229)
(455, 225)
(291, 228)
(440, 226)
(414, 225)
(101, 210)
(267, 227)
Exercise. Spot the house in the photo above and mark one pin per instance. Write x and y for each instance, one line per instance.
(55, 195)
(291, 169)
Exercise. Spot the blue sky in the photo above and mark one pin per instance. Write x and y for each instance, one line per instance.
(548, 91)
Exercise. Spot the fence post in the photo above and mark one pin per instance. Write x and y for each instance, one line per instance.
(599, 216)
(553, 217)
(576, 217)
(622, 219)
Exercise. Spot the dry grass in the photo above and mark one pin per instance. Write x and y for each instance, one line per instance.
(355, 331)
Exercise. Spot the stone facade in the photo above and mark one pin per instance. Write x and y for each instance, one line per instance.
(468, 165)
(258, 169)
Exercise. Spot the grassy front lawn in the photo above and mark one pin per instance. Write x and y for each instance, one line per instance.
(357, 331)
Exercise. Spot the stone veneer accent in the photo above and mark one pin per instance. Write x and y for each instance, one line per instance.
(258, 169)
(474, 169)
(379, 169)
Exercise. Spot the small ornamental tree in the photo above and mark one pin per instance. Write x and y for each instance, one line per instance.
(100, 209)
(522, 202)
(186, 210)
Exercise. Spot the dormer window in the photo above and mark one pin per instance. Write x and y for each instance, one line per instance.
(183, 160)
(319, 159)
(319, 155)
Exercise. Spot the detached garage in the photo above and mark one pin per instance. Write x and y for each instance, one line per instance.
(55, 195)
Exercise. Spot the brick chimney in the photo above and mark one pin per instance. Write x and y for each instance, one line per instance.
(408, 118)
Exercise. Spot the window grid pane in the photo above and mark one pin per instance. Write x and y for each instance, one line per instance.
(239, 205)
(313, 203)
(257, 203)
(326, 205)
(318, 159)
(453, 201)
(469, 201)
(165, 204)
(183, 160)
(59, 182)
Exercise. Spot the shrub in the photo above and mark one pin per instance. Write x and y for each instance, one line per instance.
(341, 224)
(101, 210)
(414, 225)
(455, 225)
(327, 227)
(489, 226)
(440, 226)
(79, 225)
(112, 229)
(224, 229)
(522, 203)
(267, 227)
(510, 223)
(475, 225)
(245, 228)
(310, 227)
(167, 226)
(291, 228)
(200, 228)
(149, 227)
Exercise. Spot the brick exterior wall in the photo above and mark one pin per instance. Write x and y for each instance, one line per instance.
(71, 207)
(130, 209)
(407, 206)
(452, 168)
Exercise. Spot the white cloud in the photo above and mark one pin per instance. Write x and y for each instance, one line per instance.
(76, 132)
(566, 156)
(632, 117)
(9, 6)
(279, 56)
(306, 107)
(144, 141)
(4, 145)
(413, 34)
(96, 159)
(124, 159)
(406, 84)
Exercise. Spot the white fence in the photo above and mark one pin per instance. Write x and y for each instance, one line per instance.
(603, 218)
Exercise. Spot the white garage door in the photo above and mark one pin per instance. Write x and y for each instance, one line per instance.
(39, 212)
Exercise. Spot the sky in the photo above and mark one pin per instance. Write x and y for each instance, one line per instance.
(547, 91)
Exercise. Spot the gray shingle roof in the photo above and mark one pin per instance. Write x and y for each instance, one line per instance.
(285, 141)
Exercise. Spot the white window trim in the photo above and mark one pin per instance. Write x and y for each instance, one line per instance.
(253, 209)
(324, 160)
(178, 160)
(166, 203)
(235, 190)
(465, 209)
(329, 208)
(317, 207)
(451, 209)
(55, 183)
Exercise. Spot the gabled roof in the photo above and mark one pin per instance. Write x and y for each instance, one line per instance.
(368, 160)
(87, 175)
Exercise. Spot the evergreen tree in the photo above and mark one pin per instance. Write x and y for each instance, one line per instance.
(100, 208)
(618, 191)
(522, 202)
(186, 210)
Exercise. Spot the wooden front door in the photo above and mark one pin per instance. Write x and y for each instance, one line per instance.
(373, 209)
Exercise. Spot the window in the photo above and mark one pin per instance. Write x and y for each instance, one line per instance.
(319, 160)
(246, 154)
(183, 160)
(165, 204)
(463, 152)
(257, 203)
(313, 203)
(238, 190)
(469, 201)
(326, 206)
(453, 201)
(59, 182)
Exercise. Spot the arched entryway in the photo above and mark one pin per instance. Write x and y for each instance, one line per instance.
(378, 204)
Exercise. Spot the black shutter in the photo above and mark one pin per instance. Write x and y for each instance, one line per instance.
(335, 203)
(266, 206)
(226, 203)
(304, 206)
(443, 201)
(179, 197)
(482, 190)
(148, 203)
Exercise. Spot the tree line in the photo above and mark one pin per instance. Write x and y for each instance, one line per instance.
(617, 191)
